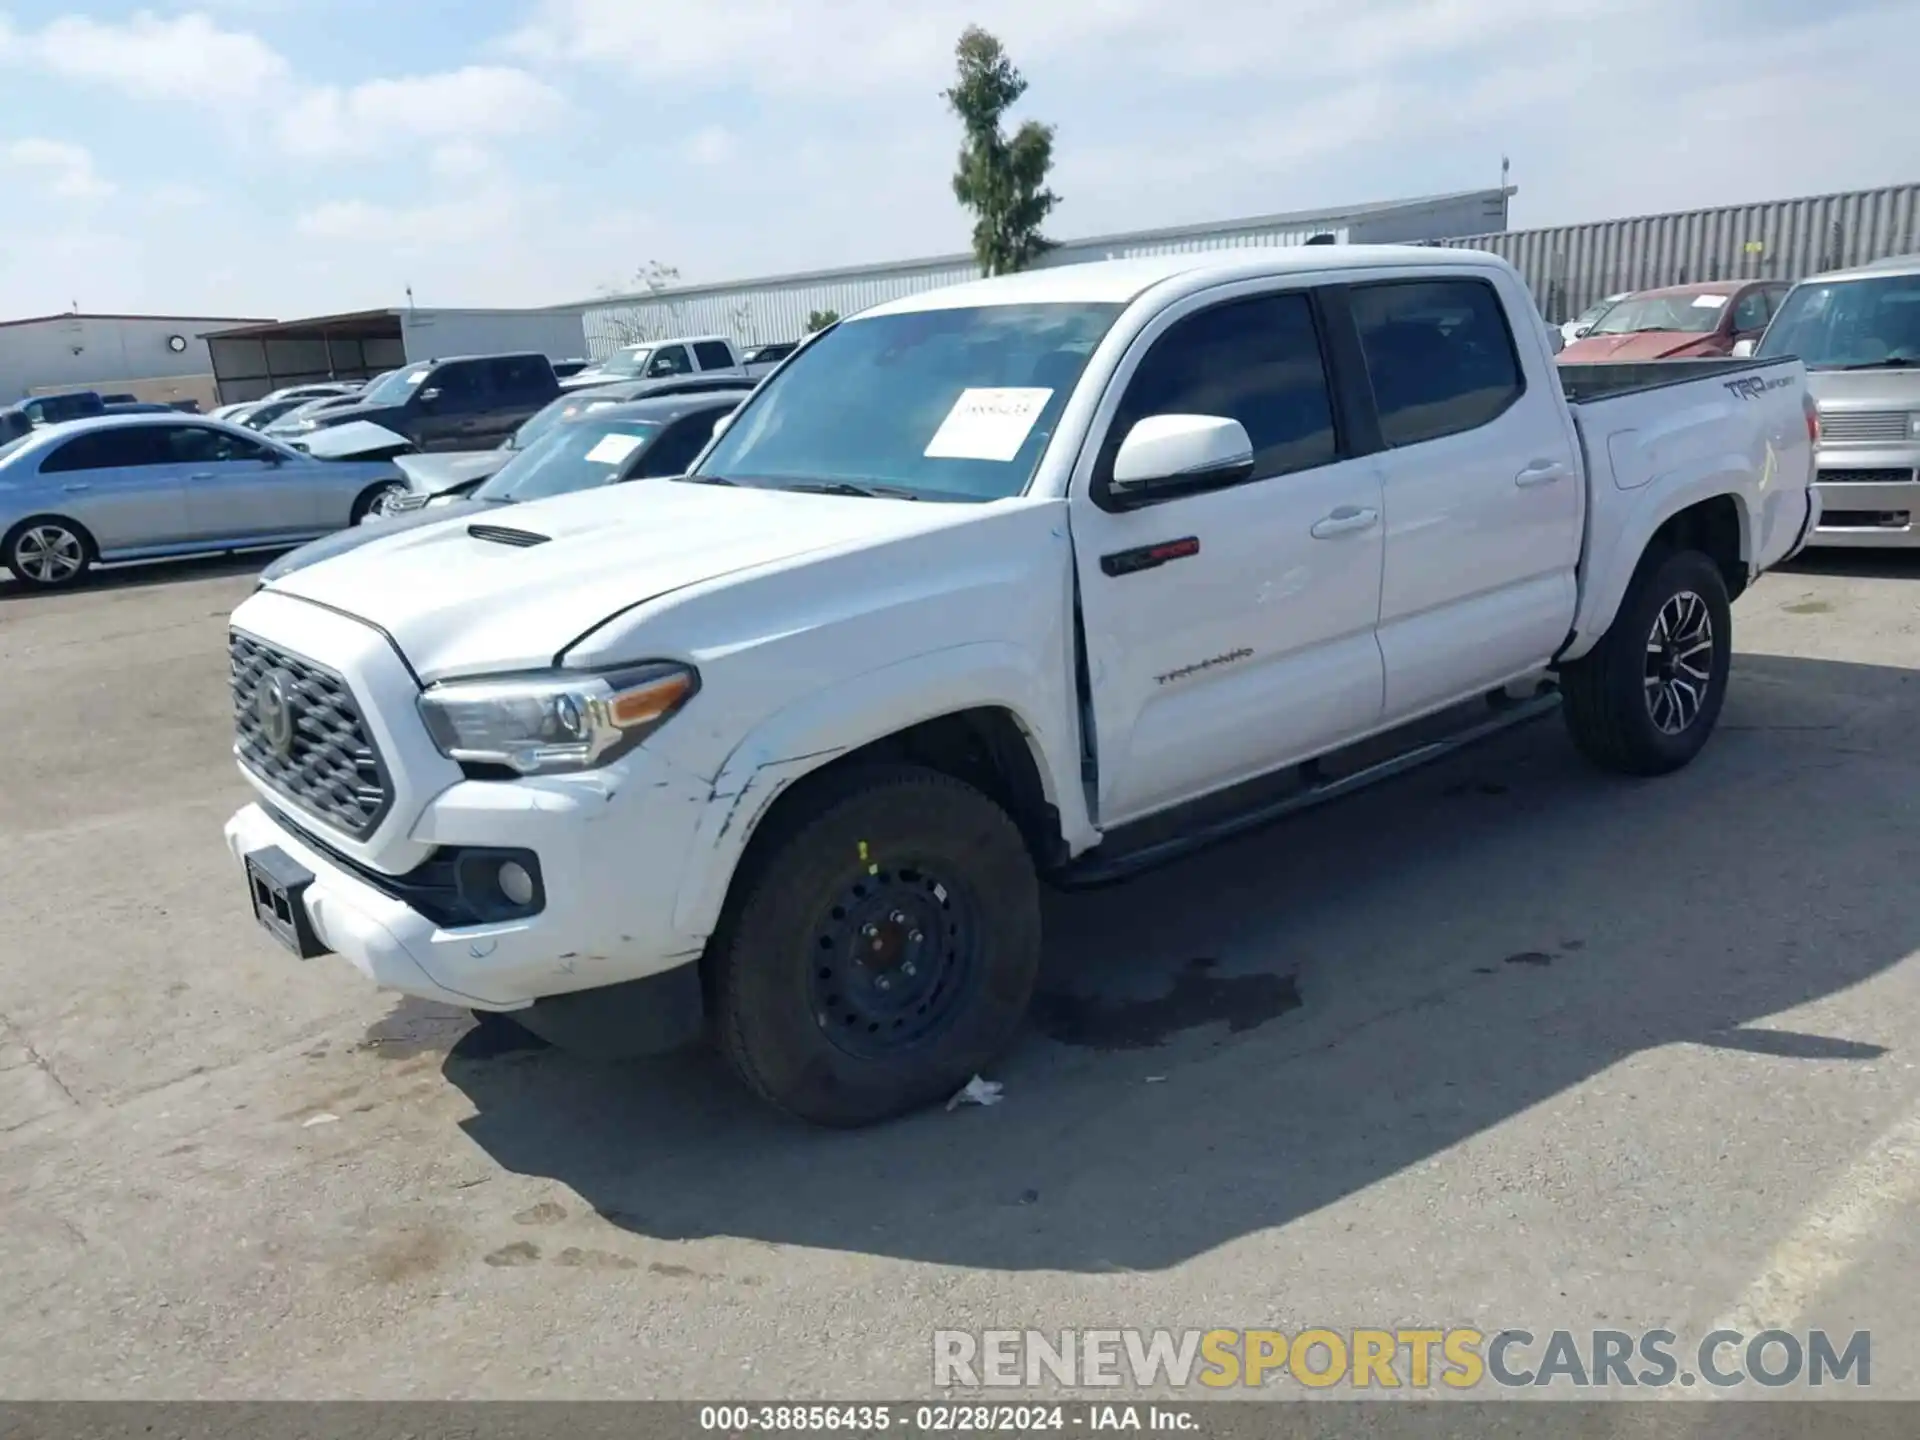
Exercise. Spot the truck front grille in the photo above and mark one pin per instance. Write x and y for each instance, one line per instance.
(1863, 427)
(1825, 476)
(297, 726)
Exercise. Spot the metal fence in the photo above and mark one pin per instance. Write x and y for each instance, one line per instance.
(1570, 267)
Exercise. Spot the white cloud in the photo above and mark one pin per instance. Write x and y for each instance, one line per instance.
(188, 57)
(715, 145)
(66, 170)
(472, 105)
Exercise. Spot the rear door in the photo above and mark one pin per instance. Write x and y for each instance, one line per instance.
(522, 386)
(715, 355)
(1232, 631)
(120, 483)
(1481, 485)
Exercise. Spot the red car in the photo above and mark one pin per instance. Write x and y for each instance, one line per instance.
(1680, 322)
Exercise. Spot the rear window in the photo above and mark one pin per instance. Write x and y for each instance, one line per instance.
(1439, 354)
(712, 355)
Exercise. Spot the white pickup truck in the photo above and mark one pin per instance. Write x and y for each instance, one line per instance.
(1045, 577)
(664, 359)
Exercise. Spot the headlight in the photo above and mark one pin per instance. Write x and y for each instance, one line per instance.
(406, 500)
(551, 723)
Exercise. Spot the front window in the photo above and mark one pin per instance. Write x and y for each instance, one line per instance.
(576, 456)
(1868, 324)
(942, 404)
(1683, 314)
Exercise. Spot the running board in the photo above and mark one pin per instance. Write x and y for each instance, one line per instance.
(1105, 865)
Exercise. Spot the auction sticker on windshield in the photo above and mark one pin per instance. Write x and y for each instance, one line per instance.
(1709, 302)
(989, 424)
(612, 449)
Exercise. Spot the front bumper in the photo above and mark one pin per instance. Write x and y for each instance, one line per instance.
(1869, 498)
(612, 847)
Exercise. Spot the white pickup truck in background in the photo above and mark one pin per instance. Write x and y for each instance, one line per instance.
(664, 359)
(1050, 576)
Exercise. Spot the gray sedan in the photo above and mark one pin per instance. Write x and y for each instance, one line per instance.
(139, 487)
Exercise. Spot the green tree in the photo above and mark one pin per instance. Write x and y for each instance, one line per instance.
(820, 319)
(1002, 179)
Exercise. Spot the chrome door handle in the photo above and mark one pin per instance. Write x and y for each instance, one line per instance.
(76, 485)
(1344, 521)
(202, 475)
(1540, 472)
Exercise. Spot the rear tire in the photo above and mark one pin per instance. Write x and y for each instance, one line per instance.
(1646, 698)
(882, 951)
(48, 552)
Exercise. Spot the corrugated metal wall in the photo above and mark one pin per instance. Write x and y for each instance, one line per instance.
(1570, 267)
(762, 312)
(758, 312)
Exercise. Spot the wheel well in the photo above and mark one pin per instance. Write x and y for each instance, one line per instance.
(365, 497)
(1713, 528)
(86, 535)
(985, 747)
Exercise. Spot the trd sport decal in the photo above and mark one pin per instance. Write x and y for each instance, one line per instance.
(1230, 658)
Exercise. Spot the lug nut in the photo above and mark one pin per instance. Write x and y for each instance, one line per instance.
(869, 932)
(898, 918)
(916, 937)
(884, 983)
(907, 969)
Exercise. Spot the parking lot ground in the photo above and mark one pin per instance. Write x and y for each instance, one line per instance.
(1505, 1043)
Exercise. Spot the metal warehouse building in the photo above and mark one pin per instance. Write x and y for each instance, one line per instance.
(759, 312)
(1571, 266)
(159, 358)
(249, 361)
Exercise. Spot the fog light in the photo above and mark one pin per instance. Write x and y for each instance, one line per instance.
(515, 883)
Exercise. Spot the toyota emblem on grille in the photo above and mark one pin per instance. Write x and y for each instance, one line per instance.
(273, 708)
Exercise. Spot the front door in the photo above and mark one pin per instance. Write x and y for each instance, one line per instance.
(1230, 632)
(453, 408)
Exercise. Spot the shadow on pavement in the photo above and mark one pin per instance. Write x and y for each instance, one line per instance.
(1865, 564)
(141, 574)
(1255, 1033)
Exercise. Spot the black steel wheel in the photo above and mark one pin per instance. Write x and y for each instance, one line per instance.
(880, 949)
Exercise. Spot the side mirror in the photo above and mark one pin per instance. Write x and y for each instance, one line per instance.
(720, 425)
(1169, 454)
(1556, 342)
(1743, 349)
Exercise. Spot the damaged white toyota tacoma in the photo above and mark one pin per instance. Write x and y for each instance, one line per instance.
(1043, 578)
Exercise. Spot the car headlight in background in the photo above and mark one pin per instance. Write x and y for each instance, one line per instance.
(559, 721)
(405, 501)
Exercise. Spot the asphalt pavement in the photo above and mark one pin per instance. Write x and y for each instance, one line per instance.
(1503, 1043)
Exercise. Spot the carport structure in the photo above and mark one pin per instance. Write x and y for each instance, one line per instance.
(253, 360)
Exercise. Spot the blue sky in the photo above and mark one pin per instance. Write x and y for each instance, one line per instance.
(288, 157)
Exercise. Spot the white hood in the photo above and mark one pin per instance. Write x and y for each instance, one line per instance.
(457, 604)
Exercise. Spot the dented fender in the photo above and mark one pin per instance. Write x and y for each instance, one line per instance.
(856, 711)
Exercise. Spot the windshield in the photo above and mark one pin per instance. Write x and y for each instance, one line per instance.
(1688, 314)
(628, 362)
(576, 456)
(9, 447)
(947, 404)
(1849, 324)
(555, 412)
(397, 388)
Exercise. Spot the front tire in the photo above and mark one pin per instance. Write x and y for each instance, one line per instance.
(373, 501)
(1645, 699)
(883, 951)
(48, 552)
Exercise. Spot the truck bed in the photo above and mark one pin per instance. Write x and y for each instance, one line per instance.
(1586, 383)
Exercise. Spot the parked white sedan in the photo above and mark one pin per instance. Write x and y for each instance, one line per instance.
(140, 487)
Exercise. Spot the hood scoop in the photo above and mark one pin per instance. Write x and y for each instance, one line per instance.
(507, 535)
